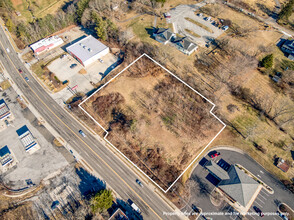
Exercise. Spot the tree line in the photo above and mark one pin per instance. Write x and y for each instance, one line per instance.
(89, 13)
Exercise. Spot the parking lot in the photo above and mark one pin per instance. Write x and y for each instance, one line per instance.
(178, 15)
(201, 188)
(44, 161)
(83, 83)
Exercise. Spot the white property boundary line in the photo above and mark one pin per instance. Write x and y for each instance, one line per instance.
(213, 105)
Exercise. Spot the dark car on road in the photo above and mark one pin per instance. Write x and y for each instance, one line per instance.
(82, 133)
(139, 182)
(258, 211)
(19, 70)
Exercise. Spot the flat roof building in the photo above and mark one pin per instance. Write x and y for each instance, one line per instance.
(26, 138)
(5, 156)
(87, 50)
(4, 110)
(46, 44)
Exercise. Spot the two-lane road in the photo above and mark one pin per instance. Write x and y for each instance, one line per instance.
(101, 159)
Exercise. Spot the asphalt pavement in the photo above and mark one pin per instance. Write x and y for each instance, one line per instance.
(120, 177)
(268, 203)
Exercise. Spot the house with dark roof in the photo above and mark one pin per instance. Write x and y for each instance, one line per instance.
(163, 35)
(236, 185)
(288, 48)
(184, 45)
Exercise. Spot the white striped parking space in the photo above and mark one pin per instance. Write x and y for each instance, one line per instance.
(260, 200)
(258, 204)
(262, 196)
(264, 193)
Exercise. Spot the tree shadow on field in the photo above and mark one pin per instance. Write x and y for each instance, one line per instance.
(264, 9)
(89, 184)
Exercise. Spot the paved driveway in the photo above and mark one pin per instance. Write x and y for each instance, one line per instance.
(178, 15)
(201, 189)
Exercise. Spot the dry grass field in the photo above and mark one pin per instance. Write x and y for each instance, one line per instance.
(39, 8)
(154, 119)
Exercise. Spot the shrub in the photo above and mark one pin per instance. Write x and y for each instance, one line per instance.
(268, 61)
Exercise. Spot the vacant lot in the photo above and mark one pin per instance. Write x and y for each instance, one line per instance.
(154, 119)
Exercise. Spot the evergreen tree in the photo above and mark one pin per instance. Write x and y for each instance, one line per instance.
(286, 11)
(268, 61)
(102, 201)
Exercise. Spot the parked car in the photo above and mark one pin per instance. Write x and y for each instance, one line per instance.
(82, 133)
(195, 209)
(100, 60)
(7, 122)
(27, 79)
(62, 56)
(19, 70)
(139, 182)
(282, 215)
(73, 65)
(258, 211)
(213, 154)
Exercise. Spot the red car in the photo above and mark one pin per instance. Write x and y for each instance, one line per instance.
(214, 154)
(19, 70)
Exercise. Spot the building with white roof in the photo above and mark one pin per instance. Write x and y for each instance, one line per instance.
(46, 44)
(26, 138)
(4, 110)
(87, 50)
(5, 156)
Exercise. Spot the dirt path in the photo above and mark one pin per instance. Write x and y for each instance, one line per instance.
(136, 16)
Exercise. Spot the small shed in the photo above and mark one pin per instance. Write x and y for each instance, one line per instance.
(283, 165)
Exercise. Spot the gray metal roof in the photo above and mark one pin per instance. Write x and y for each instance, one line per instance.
(184, 43)
(217, 170)
(86, 48)
(239, 186)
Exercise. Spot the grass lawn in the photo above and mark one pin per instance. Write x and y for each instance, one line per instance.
(199, 24)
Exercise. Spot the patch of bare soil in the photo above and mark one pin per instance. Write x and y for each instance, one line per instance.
(154, 119)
